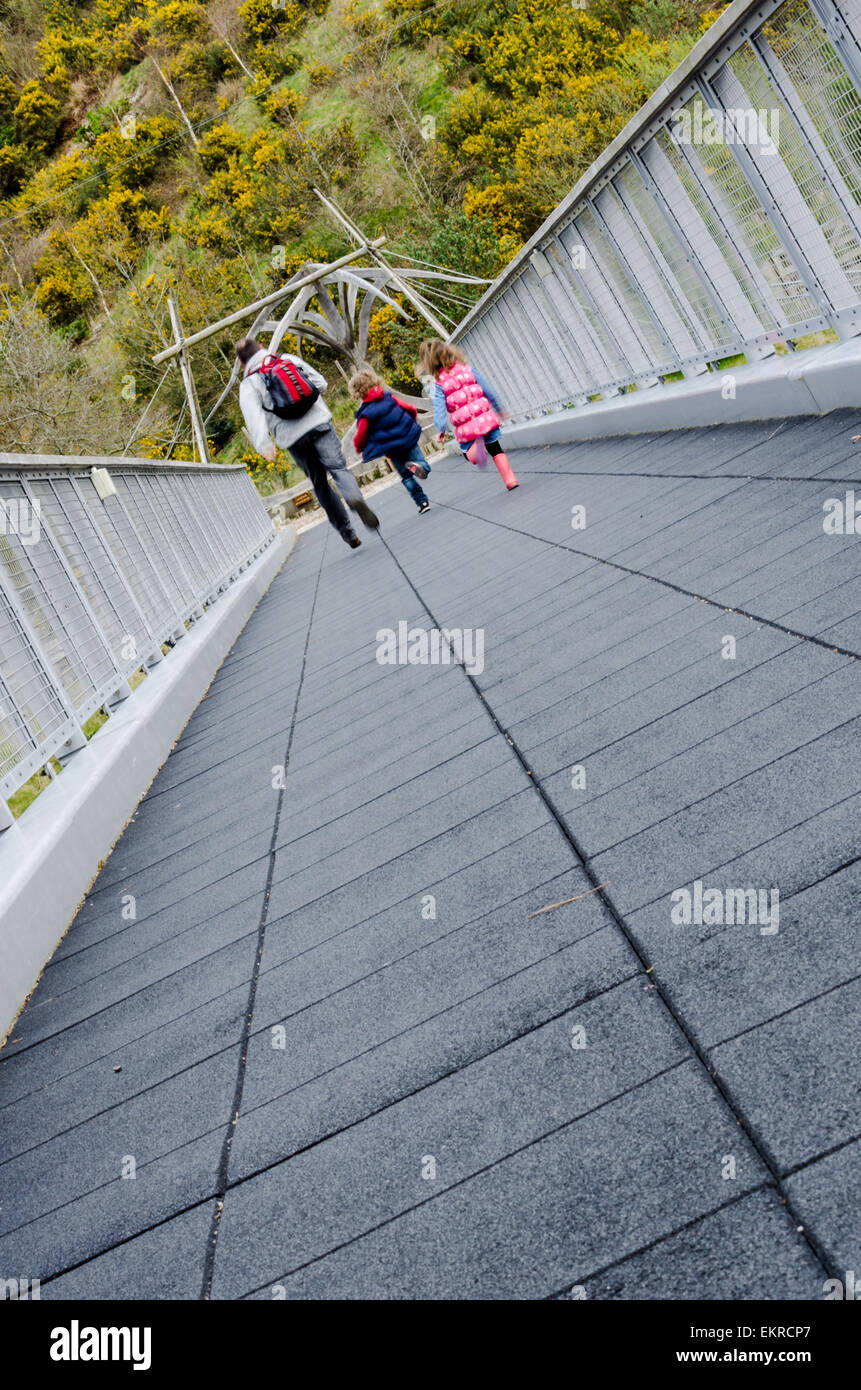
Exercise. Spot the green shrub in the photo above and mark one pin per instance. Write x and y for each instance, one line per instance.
(13, 166)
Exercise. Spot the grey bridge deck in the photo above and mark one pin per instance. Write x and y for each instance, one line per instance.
(427, 1128)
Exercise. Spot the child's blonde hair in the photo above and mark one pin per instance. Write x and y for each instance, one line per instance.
(435, 355)
(363, 382)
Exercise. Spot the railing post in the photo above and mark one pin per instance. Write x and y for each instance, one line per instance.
(122, 689)
(555, 319)
(770, 206)
(522, 292)
(527, 366)
(76, 739)
(613, 241)
(669, 291)
(152, 656)
(845, 325)
(579, 285)
(834, 24)
(685, 246)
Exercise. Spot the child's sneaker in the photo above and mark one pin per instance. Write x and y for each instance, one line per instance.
(425, 507)
(417, 470)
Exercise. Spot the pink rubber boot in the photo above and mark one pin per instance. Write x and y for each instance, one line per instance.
(505, 473)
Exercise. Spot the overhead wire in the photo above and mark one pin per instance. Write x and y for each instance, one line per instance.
(137, 428)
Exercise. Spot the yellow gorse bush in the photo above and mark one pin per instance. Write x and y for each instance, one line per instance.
(180, 19)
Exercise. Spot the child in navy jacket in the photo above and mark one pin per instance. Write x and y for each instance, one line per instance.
(386, 425)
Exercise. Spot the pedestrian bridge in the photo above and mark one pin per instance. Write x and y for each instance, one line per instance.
(527, 973)
(348, 1046)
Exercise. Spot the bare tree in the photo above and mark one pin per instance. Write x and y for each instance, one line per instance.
(51, 402)
(392, 111)
(89, 271)
(179, 106)
(13, 262)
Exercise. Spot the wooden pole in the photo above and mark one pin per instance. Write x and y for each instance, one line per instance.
(194, 410)
(395, 278)
(240, 314)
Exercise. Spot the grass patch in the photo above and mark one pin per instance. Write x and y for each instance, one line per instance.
(326, 111)
(26, 795)
(820, 339)
(437, 92)
(322, 40)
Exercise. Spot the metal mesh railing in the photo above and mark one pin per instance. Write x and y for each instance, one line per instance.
(95, 580)
(726, 218)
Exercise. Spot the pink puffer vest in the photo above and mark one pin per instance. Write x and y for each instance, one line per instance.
(470, 410)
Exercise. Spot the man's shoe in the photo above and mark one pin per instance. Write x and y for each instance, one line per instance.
(417, 470)
(362, 509)
(425, 507)
(353, 542)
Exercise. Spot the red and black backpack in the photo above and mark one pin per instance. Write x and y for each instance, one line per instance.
(289, 390)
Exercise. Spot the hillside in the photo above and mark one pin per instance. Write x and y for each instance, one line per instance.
(147, 145)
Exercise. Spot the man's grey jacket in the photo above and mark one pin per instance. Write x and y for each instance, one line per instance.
(256, 405)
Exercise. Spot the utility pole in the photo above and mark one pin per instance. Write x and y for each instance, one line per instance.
(194, 410)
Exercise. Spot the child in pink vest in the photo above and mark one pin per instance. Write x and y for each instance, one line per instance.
(470, 403)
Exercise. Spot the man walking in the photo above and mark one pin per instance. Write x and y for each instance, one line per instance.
(310, 436)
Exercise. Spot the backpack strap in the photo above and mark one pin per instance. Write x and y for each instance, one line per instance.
(269, 360)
